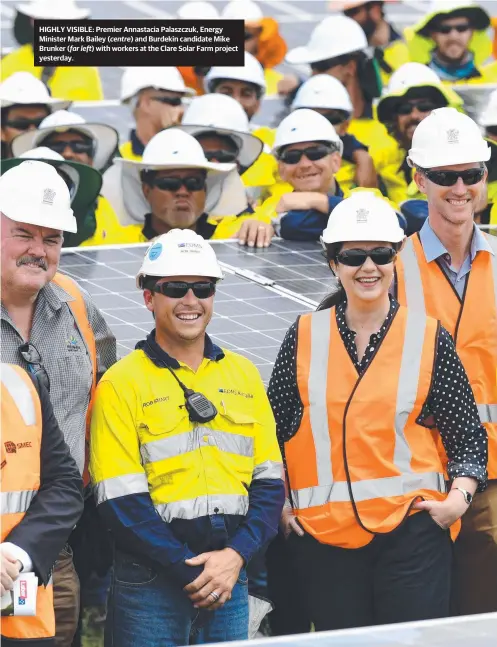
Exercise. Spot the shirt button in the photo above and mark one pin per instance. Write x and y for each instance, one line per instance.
(447, 258)
(216, 510)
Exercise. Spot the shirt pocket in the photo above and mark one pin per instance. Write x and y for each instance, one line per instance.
(236, 439)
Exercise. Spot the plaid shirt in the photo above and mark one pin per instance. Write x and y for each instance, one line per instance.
(65, 358)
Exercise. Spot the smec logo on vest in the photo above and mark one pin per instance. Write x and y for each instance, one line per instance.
(11, 448)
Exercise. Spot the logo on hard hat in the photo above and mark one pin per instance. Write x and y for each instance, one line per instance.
(362, 216)
(190, 245)
(453, 136)
(155, 251)
(48, 196)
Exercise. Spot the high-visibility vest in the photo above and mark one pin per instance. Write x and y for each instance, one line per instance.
(78, 309)
(472, 321)
(20, 476)
(359, 460)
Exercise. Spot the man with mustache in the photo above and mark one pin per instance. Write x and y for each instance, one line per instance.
(51, 328)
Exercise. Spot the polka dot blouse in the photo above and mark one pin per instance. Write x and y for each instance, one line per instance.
(450, 406)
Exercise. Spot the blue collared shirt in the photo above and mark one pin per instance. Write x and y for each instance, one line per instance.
(434, 250)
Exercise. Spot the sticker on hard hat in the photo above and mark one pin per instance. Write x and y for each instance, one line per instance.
(48, 196)
(453, 136)
(191, 246)
(362, 216)
(155, 251)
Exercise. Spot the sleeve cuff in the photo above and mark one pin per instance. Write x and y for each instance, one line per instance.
(184, 574)
(19, 553)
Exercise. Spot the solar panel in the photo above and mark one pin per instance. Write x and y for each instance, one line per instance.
(249, 318)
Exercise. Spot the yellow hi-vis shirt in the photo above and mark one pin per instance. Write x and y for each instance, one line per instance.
(142, 440)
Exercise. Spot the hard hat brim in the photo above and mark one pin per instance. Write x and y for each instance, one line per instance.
(44, 216)
(479, 18)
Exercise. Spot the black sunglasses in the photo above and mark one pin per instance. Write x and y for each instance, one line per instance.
(223, 157)
(491, 130)
(421, 106)
(336, 117)
(191, 183)
(446, 29)
(23, 124)
(76, 145)
(353, 11)
(249, 35)
(313, 153)
(179, 289)
(449, 178)
(357, 257)
(33, 359)
(169, 101)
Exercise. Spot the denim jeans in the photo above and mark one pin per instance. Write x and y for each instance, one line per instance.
(147, 609)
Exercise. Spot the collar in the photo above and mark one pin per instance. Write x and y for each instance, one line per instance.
(137, 146)
(466, 70)
(433, 247)
(368, 111)
(394, 35)
(338, 191)
(203, 227)
(162, 359)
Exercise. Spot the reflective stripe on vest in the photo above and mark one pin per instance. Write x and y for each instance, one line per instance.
(16, 502)
(16, 386)
(203, 506)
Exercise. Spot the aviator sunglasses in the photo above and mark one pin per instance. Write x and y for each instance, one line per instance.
(313, 153)
(33, 359)
(446, 29)
(449, 178)
(191, 183)
(357, 257)
(179, 289)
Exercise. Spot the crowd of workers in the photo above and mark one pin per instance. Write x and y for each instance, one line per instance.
(169, 489)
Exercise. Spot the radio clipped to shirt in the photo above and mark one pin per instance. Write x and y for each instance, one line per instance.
(21, 601)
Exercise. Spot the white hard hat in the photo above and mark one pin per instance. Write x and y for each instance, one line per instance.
(22, 88)
(42, 153)
(198, 10)
(489, 115)
(246, 10)
(447, 137)
(411, 74)
(334, 36)
(251, 72)
(323, 91)
(363, 217)
(53, 10)
(223, 115)
(136, 79)
(34, 193)
(305, 125)
(105, 138)
(180, 252)
(345, 5)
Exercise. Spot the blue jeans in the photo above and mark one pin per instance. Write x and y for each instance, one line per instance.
(147, 609)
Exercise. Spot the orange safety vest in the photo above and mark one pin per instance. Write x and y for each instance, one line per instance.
(472, 322)
(78, 309)
(20, 476)
(359, 460)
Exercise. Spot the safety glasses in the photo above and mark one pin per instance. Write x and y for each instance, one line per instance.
(357, 257)
(421, 106)
(446, 29)
(23, 124)
(191, 183)
(223, 157)
(179, 289)
(76, 145)
(169, 101)
(313, 153)
(33, 359)
(449, 178)
(336, 117)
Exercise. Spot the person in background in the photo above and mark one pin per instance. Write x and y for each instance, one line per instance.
(70, 83)
(155, 97)
(70, 137)
(262, 38)
(24, 103)
(35, 528)
(187, 510)
(452, 40)
(338, 47)
(449, 271)
(51, 327)
(328, 96)
(413, 92)
(389, 49)
(175, 186)
(368, 517)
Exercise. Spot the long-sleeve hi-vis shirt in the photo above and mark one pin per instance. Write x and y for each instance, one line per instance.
(169, 488)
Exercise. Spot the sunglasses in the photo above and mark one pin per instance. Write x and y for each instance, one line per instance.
(336, 117)
(179, 289)
(33, 359)
(449, 178)
(192, 183)
(313, 153)
(169, 101)
(421, 106)
(23, 124)
(353, 11)
(223, 157)
(491, 130)
(357, 257)
(249, 35)
(446, 29)
(76, 145)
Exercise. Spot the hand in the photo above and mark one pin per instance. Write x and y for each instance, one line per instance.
(10, 569)
(302, 201)
(287, 84)
(289, 523)
(255, 233)
(221, 571)
(444, 513)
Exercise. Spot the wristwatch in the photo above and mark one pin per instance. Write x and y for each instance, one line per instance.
(468, 497)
